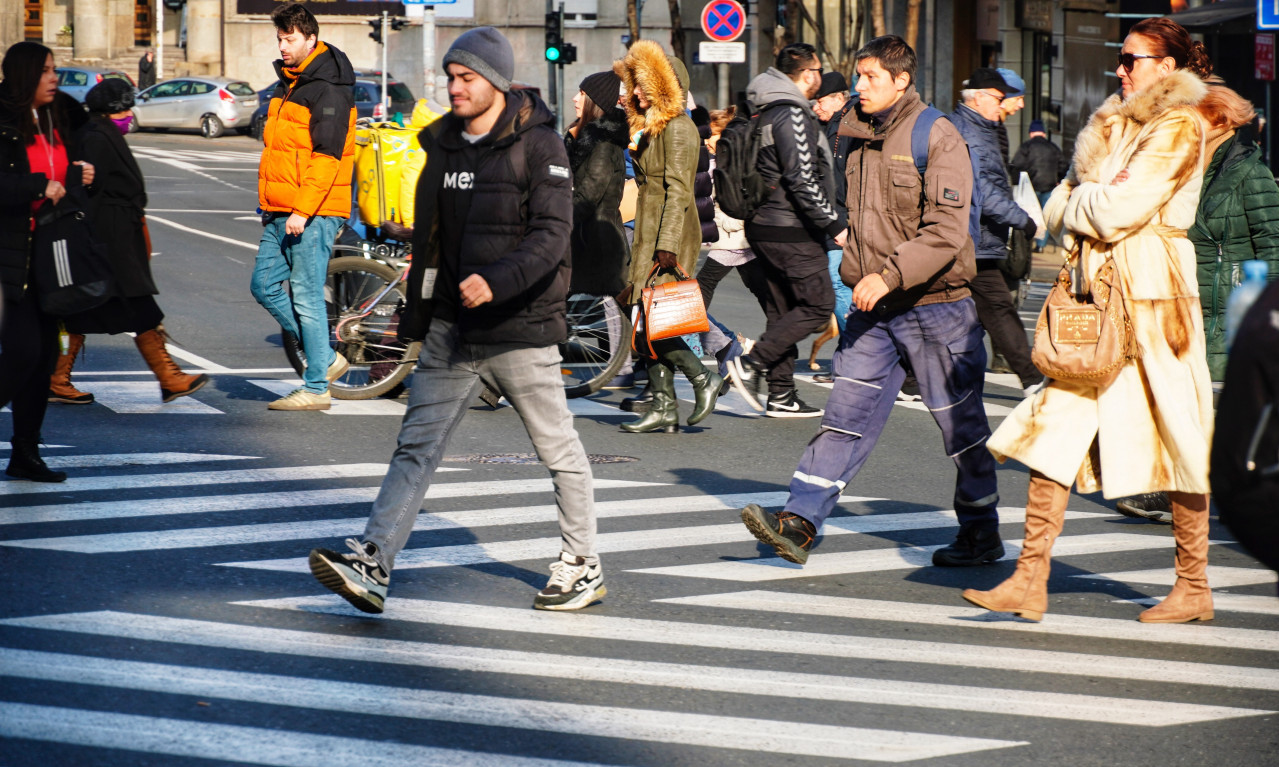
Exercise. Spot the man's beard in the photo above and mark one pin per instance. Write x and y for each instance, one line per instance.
(475, 107)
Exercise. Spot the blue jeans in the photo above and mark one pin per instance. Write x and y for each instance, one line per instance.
(303, 262)
(446, 381)
(943, 344)
(843, 293)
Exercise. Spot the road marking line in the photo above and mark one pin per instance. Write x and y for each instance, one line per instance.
(840, 646)
(540, 716)
(1230, 603)
(196, 478)
(881, 560)
(150, 507)
(1219, 576)
(964, 615)
(215, 370)
(143, 397)
(740, 681)
(190, 230)
(376, 406)
(231, 743)
(606, 543)
(138, 459)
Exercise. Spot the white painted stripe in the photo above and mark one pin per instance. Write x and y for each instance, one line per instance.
(963, 615)
(282, 500)
(599, 668)
(7, 446)
(1227, 603)
(731, 403)
(375, 406)
(1219, 576)
(490, 711)
(587, 406)
(196, 478)
(231, 743)
(881, 560)
(583, 625)
(143, 397)
(190, 357)
(606, 543)
(137, 459)
(218, 237)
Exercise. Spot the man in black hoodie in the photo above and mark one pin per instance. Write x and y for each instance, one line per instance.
(487, 292)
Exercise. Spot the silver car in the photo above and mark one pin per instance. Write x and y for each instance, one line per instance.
(212, 105)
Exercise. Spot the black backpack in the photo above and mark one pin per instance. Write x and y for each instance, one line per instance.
(739, 189)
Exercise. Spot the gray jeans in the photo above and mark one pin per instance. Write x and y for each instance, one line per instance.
(447, 379)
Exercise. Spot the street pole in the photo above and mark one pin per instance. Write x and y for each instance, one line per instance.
(428, 53)
(552, 100)
(159, 40)
(386, 101)
(559, 76)
(724, 94)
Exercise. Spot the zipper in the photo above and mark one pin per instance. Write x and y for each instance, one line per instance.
(1216, 282)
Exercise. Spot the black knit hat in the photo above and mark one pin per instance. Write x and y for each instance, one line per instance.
(487, 52)
(603, 88)
(832, 82)
(110, 96)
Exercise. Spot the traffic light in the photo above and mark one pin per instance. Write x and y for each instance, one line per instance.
(568, 53)
(376, 34)
(555, 37)
(398, 24)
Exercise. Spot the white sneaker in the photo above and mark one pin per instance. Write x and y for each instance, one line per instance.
(301, 399)
(574, 584)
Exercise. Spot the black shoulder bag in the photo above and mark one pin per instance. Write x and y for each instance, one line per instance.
(72, 273)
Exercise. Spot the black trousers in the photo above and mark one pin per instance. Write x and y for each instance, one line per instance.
(998, 315)
(751, 272)
(28, 355)
(800, 301)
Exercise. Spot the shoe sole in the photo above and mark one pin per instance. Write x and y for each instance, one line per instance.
(764, 534)
(333, 580)
(585, 599)
(1204, 616)
(1030, 615)
(69, 401)
(1161, 517)
(788, 414)
(169, 396)
(989, 558)
(738, 377)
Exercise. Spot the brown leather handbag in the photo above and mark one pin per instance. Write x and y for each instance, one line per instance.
(668, 310)
(1083, 334)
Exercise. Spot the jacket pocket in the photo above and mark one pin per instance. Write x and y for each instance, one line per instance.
(904, 190)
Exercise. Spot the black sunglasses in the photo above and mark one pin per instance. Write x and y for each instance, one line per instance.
(1129, 60)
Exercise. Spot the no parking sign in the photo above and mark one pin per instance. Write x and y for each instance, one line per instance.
(723, 20)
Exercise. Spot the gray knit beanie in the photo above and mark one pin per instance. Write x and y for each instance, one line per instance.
(486, 51)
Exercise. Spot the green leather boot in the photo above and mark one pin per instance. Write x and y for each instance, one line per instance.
(706, 383)
(664, 412)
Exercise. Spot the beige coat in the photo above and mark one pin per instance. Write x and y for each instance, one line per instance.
(1150, 429)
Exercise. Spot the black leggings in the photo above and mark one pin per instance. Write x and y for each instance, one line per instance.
(28, 355)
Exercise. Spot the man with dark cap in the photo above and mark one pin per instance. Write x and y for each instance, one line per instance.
(831, 104)
(486, 292)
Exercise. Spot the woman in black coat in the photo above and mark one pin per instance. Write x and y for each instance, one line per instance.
(595, 143)
(38, 161)
(117, 217)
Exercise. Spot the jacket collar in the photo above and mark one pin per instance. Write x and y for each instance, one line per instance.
(967, 113)
(857, 124)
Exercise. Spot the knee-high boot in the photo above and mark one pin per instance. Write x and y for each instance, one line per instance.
(173, 382)
(1191, 599)
(1025, 593)
(60, 387)
(706, 383)
(663, 413)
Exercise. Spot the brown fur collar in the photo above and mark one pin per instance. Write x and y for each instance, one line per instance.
(1179, 89)
(648, 66)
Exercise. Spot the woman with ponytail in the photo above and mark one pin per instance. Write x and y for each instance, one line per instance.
(1131, 194)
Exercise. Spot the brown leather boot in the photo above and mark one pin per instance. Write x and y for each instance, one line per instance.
(1191, 599)
(173, 382)
(1025, 593)
(60, 387)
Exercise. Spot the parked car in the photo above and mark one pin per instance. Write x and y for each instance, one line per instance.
(210, 105)
(368, 86)
(76, 81)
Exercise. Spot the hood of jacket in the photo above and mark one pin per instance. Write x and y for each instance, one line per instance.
(772, 87)
(1182, 88)
(325, 63)
(662, 78)
(524, 111)
(609, 129)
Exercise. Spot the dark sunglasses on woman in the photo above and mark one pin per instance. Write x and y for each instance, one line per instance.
(1129, 60)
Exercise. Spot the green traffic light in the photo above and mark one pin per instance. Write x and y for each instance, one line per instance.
(552, 54)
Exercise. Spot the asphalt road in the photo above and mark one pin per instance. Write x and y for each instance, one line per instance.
(157, 609)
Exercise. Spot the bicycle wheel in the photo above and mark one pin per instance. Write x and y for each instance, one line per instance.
(598, 343)
(364, 333)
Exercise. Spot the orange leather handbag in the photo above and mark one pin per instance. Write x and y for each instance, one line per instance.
(669, 310)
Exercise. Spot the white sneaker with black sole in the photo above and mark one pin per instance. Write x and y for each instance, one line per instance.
(574, 584)
(789, 405)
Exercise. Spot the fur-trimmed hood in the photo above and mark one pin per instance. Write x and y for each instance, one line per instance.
(1182, 88)
(663, 79)
(609, 129)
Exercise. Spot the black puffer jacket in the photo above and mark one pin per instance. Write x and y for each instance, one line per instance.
(1043, 161)
(19, 188)
(704, 194)
(795, 163)
(600, 250)
(515, 235)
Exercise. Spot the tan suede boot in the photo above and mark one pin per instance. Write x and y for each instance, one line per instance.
(1191, 599)
(60, 387)
(1025, 593)
(173, 382)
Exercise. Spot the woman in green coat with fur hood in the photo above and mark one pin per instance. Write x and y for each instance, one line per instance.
(664, 146)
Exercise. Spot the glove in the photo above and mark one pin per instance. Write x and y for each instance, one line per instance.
(1030, 228)
(666, 259)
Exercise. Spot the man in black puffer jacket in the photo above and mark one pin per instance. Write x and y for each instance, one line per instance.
(487, 292)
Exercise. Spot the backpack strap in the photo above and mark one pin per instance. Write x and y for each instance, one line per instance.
(919, 137)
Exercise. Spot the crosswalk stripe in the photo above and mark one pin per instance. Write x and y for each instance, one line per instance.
(842, 646)
(143, 397)
(136, 459)
(633, 540)
(280, 500)
(966, 616)
(490, 711)
(377, 406)
(1227, 603)
(880, 560)
(597, 668)
(232, 743)
(197, 478)
(1219, 576)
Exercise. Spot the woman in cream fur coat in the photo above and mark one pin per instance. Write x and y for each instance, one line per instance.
(1131, 193)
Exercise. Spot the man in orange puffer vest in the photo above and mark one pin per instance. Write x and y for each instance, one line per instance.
(304, 192)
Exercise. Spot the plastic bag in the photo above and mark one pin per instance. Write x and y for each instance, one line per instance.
(1025, 197)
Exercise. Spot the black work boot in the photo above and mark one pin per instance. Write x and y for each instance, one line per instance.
(706, 383)
(640, 403)
(25, 462)
(972, 546)
(663, 414)
(790, 535)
